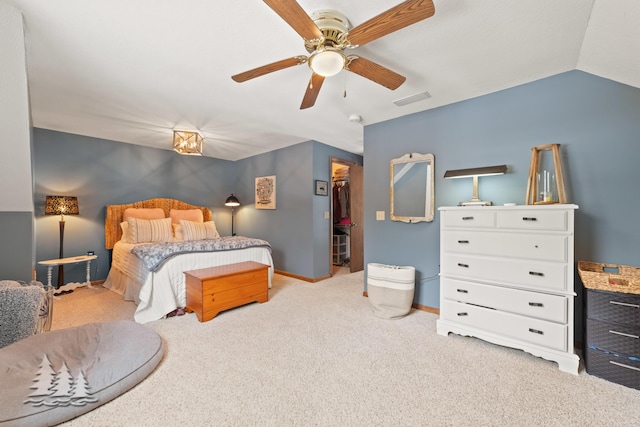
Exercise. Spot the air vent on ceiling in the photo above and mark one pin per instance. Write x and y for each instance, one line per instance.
(412, 98)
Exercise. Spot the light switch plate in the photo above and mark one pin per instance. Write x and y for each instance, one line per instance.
(379, 215)
(326, 214)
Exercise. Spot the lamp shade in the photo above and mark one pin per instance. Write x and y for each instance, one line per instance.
(475, 173)
(232, 201)
(483, 171)
(61, 205)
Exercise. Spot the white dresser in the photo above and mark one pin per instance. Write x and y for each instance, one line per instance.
(506, 276)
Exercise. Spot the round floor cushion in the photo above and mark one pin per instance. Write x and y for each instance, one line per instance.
(55, 376)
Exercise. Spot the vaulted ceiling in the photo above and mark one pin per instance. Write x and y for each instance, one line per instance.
(132, 71)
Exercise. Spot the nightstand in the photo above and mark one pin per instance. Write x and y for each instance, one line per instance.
(71, 260)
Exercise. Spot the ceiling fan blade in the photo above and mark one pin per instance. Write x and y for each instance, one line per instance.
(313, 88)
(296, 17)
(406, 13)
(269, 68)
(375, 72)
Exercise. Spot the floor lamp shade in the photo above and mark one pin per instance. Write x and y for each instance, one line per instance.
(61, 205)
(232, 201)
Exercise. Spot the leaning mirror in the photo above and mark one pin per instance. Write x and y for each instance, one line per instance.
(412, 188)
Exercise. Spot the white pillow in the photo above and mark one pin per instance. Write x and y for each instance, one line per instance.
(124, 225)
(198, 230)
(149, 230)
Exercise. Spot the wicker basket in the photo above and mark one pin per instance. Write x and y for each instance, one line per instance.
(618, 278)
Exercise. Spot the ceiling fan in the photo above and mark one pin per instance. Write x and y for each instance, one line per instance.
(327, 35)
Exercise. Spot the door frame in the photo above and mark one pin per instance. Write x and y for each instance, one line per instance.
(344, 162)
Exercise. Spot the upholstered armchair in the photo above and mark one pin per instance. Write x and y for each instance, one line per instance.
(25, 310)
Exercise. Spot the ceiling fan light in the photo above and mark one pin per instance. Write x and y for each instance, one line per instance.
(327, 63)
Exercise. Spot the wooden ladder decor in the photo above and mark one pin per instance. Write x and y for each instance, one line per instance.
(532, 186)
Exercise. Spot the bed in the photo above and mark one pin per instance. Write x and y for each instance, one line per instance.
(150, 270)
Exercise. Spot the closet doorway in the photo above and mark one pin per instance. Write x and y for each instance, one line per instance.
(347, 216)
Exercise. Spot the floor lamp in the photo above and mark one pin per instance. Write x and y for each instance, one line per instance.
(232, 201)
(61, 205)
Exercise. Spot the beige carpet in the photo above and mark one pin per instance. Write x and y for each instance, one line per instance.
(314, 355)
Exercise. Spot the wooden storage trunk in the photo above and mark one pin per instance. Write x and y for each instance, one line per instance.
(212, 290)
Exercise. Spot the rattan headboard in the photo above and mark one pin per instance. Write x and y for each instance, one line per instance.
(112, 230)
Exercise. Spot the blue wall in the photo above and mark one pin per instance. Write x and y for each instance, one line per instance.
(17, 237)
(100, 173)
(296, 229)
(597, 121)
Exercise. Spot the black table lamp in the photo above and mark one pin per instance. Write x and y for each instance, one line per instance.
(232, 201)
(61, 205)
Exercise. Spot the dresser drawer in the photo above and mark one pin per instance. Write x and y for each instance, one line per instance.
(543, 247)
(525, 303)
(473, 219)
(614, 337)
(535, 331)
(613, 368)
(534, 219)
(530, 274)
(613, 307)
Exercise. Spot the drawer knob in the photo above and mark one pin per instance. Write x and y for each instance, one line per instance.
(463, 241)
(529, 218)
(464, 313)
(463, 265)
(536, 304)
(536, 273)
(467, 218)
(536, 331)
(462, 291)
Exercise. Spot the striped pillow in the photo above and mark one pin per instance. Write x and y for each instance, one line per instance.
(149, 230)
(198, 230)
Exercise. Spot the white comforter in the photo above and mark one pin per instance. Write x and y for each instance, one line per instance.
(161, 292)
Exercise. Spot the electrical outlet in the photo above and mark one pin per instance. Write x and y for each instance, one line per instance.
(379, 215)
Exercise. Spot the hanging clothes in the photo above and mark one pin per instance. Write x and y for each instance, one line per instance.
(336, 203)
(345, 211)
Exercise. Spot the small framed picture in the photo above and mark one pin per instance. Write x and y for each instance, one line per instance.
(322, 188)
(266, 192)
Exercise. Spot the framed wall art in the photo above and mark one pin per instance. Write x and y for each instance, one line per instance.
(266, 192)
(322, 188)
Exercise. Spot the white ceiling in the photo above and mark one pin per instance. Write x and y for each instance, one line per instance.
(132, 71)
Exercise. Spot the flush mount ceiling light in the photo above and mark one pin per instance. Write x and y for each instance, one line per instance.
(187, 143)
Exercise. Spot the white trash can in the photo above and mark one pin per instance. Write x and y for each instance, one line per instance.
(390, 289)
